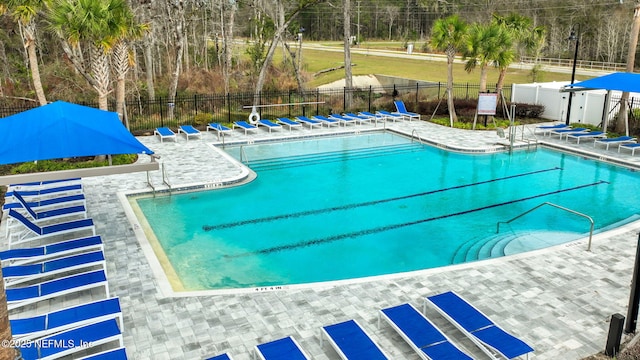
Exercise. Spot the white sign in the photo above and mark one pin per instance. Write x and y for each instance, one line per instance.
(487, 103)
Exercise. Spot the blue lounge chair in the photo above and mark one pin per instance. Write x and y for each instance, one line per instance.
(64, 319)
(18, 274)
(72, 341)
(269, 124)
(389, 115)
(402, 110)
(546, 129)
(78, 199)
(343, 119)
(41, 191)
(60, 212)
(561, 132)
(617, 140)
(33, 231)
(631, 147)
(360, 118)
(23, 256)
(586, 135)
(375, 117)
(19, 297)
(189, 131)
(491, 339)
(310, 122)
(327, 121)
(219, 128)
(165, 133)
(221, 357)
(352, 342)
(244, 126)
(420, 333)
(290, 123)
(114, 354)
(48, 183)
(282, 349)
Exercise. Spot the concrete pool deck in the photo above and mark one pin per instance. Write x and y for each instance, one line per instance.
(558, 300)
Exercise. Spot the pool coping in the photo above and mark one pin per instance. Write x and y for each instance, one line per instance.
(166, 287)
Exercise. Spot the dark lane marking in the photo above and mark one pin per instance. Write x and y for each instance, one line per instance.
(396, 226)
(368, 203)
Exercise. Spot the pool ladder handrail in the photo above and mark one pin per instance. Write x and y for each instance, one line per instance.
(165, 177)
(151, 184)
(556, 206)
(417, 136)
(243, 156)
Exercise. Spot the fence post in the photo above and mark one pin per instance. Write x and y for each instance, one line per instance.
(467, 97)
(369, 107)
(161, 111)
(229, 108)
(417, 90)
(317, 101)
(289, 103)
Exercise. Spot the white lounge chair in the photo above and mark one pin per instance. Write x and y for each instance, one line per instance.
(389, 115)
(189, 131)
(21, 256)
(72, 341)
(402, 110)
(310, 122)
(489, 337)
(22, 296)
(290, 123)
(219, 129)
(32, 231)
(632, 147)
(327, 120)
(15, 275)
(285, 348)
(269, 124)
(421, 334)
(67, 318)
(165, 133)
(587, 135)
(617, 140)
(245, 126)
(351, 342)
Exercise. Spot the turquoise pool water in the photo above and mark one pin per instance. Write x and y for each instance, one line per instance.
(337, 208)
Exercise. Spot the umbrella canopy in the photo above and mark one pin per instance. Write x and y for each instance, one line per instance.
(621, 81)
(64, 130)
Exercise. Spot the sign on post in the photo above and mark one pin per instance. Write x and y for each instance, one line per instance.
(487, 103)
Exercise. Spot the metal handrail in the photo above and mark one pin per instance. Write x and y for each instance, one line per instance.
(165, 177)
(417, 136)
(150, 184)
(556, 206)
(243, 155)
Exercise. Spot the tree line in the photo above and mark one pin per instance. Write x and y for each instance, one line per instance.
(118, 48)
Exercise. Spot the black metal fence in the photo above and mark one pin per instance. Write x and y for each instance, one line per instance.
(144, 115)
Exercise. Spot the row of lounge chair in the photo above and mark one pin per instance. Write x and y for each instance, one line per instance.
(600, 138)
(352, 342)
(57, 267)
(401, 113)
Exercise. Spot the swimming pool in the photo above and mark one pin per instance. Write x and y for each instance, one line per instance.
(345, 207)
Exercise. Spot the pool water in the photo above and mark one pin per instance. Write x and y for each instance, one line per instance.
(336, 208)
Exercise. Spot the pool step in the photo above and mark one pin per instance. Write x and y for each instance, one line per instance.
(331, 156)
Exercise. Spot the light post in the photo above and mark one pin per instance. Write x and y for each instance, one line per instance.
(575, 36)
(300, 46)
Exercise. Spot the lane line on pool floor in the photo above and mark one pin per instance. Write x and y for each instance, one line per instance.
(362, 204)
(397, 226)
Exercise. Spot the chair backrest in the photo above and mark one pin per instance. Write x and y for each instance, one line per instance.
(400, 106)
(165, 131)
(462, 312)
(25, 205)
(30, 225)
(414, 325)
(277, 348)
(190, 129)
(304, 118)
(353, 341)
(82, 312)
(74, 281)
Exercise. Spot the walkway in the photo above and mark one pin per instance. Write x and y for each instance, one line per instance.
(558, 300)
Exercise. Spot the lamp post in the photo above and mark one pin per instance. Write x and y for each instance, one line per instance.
(575, 36)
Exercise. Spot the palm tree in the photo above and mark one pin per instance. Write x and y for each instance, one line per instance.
(622, 123)
(528, 40)
(24, 12)
(488, 45)
(449, 35)
(95, 22)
